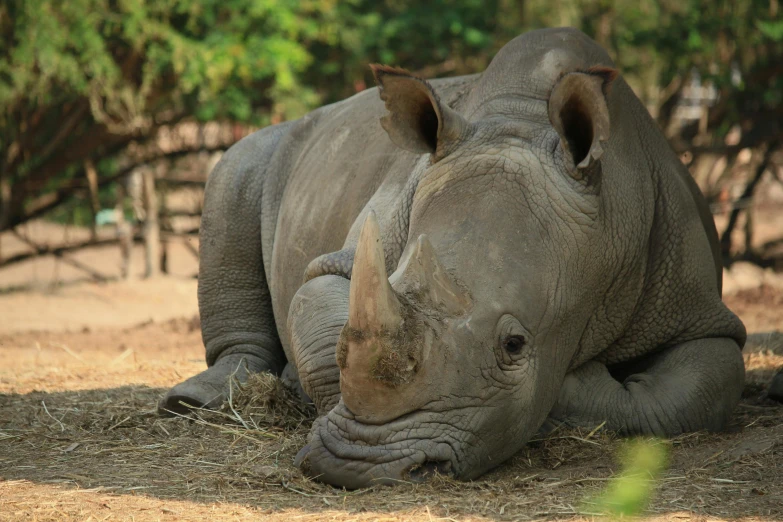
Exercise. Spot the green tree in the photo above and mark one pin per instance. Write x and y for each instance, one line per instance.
(81, 80)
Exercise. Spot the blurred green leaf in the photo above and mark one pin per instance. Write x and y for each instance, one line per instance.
(694, 40)
(628, 494)
(773, 30)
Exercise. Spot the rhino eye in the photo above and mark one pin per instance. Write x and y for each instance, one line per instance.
(514, 344)
(513, 341)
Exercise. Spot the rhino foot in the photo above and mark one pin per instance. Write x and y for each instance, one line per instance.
(209, 388)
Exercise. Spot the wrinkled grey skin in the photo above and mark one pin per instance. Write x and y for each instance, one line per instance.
(606, 276)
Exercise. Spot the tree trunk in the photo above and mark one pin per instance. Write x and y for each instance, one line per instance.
(124, 234)
(5, 201)
(151, 226)
(164, 218)
(725, 239)
(92, 184)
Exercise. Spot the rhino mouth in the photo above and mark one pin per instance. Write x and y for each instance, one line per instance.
(347, 453)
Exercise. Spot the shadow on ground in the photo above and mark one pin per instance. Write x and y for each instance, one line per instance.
(112, 441)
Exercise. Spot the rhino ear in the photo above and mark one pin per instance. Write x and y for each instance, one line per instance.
(578, 112)
(417, 121)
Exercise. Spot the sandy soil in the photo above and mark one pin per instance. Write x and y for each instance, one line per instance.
(82, 366)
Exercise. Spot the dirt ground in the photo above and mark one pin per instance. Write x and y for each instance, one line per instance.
(83, 364)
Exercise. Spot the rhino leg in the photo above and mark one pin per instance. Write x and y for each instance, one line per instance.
(316, 317)
(686, 387)
(208, 389)
(335, 263)
(290, 378)
(237, 322)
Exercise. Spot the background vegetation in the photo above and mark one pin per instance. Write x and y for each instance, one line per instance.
(85, 84)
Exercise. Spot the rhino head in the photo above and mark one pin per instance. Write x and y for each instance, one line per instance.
(453, 361)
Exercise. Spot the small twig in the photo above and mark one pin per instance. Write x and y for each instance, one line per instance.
(580, 439)
(124, 355)
(596, 429)
(160, 426)
(530, 477)
(123, 420)
(223, 429)
(285, 485)
(289, 488)
(62, 426)
(231, 381)
(69, 351)
(574, 437)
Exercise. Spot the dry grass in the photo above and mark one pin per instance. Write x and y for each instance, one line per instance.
(107, 451)
(80, 440)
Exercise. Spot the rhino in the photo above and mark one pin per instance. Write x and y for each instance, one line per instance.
(447, 267)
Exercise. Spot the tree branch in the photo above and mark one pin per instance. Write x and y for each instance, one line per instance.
(725, 238)
(57, 252)
(48, 202)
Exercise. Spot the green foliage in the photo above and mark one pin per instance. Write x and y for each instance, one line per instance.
(656, 41)
(132, 58)
(772, 30)
(628, 494)
(83, 78)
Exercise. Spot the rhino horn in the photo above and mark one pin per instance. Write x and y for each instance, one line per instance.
(421, 274)
(384, 364)
(372, 305)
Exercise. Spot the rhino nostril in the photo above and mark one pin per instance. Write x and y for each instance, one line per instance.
(426, 470)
